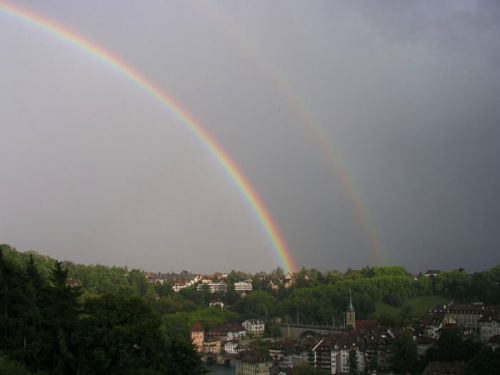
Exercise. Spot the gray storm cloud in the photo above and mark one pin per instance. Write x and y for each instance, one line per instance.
(95, 170)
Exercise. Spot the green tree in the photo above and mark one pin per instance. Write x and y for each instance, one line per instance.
(11, 367)
(164, 289)
(405, 353)
(12, 308)
(33, 317)
(353, 362)
(275, 331)
(118, 335)
(451, 346)
(60, 322)
(262, 348)
(455, 284)
(259, 304)
(138, 282)
(182, 359)
(487, 362)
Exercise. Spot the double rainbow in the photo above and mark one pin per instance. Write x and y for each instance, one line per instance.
(228, 165)
(306, 117)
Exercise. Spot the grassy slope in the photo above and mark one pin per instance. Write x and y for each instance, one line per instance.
(418, 306)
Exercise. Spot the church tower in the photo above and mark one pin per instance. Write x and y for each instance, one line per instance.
(350, 314)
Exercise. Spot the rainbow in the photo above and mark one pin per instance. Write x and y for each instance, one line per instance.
(320, 137)
(228, 165)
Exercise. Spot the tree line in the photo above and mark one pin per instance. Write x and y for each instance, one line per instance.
(46, 324)
(50, 327)
(316, 297)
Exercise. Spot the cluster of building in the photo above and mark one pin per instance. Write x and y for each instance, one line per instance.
(228, 338)
(74, 283)
(287, 282)
(181, 284)
(336, 353)
(160, 278)
(217, 284)
(213, 283)
(179, 281)
(212, 286)
(363, 344)
(474, 320)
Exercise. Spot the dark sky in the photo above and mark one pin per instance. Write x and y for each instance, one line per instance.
(406, 94)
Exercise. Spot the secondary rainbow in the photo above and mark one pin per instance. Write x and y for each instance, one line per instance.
(302, 111)
(190, 123)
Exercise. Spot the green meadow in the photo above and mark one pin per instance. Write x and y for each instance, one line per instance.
(414, 307)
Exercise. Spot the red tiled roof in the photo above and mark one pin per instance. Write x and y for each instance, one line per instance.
(197, 327)
(251, 356)
(364, 324)
(224, 329)
(468, 307)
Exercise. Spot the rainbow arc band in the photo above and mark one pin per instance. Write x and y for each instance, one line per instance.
(303, 113)
(230, 168)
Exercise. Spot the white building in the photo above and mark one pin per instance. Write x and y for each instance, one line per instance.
(340, 360)
(231, 347)
(218, 287)
(236, 335)
(181, 284)
(489, 325)
(243, 287)
(294, 360)
(178, 286)
(335, 358)
(254, 326)
(218, 304)
(213, 287)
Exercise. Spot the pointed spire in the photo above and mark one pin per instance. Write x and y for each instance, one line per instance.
(351, 307)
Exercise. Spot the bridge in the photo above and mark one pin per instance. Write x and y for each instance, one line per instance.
(222, 359)
(295, 331)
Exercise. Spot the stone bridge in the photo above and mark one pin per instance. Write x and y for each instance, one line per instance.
(219, 359)
(296, 331)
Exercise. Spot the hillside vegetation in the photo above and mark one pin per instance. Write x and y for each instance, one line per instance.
(106, 294)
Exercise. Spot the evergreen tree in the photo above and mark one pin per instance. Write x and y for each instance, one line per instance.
(34, 291)
(12, 300)
(60, 321)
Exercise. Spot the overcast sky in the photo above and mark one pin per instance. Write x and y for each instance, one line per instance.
(94, 170)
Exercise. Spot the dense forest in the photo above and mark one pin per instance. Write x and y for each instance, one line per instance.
(116, 322)
(50, 327)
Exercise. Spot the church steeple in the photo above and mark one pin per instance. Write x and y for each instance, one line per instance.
(350, 314)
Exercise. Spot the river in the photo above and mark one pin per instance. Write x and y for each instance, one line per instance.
(220, 370)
